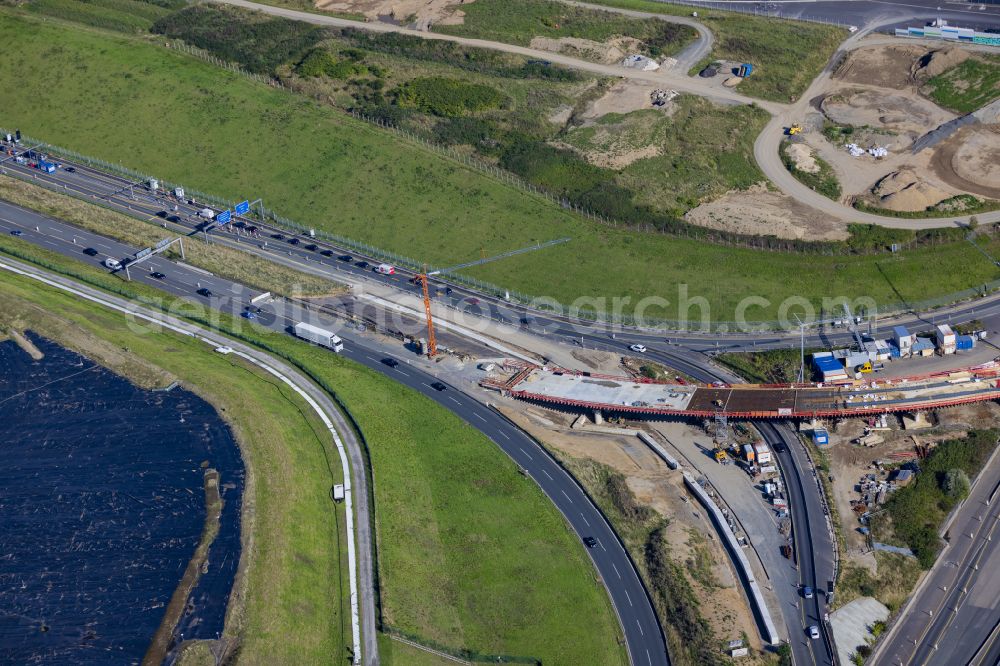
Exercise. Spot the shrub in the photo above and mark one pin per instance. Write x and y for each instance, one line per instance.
(321, 62)
(257, 42)
(448, 97)
(956, 485)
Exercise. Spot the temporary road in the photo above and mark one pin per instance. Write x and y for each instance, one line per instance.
(643, 634)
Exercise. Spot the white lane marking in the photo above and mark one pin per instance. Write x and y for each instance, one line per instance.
(525, 453)
(587, 522)
(546, 473)
(629, 597)
(405, 374)
(648, 658)
(372, 359)
(602, 545)
(479, 416)
(616, 569)
(641, 632)
(506, 436)
(454, 401)
(566, 496)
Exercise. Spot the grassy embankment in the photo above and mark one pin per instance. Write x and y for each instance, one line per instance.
(223, 261)
(295, 579)
(323, 169)
(519, 21)
(968, 86)
(823, 181)
(786, 55)
(459, 530)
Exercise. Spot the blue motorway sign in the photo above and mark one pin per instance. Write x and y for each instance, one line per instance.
(223, 217)
(242, 208)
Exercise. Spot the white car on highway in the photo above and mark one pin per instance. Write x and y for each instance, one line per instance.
(639, 349)
(113, 264)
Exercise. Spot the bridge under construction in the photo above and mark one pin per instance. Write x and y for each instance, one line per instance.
(639, 396)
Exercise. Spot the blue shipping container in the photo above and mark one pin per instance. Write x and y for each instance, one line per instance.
(964, 342)
(821, 437)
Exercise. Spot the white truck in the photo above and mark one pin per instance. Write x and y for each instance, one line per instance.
(318, 335)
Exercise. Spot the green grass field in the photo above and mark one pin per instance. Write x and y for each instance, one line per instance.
(967, 87)
(296, 583)
(121, 15)
(105, 95)
(471, 554)
(786, 55)
(518, 21)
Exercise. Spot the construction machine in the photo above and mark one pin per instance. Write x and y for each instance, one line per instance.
(794, 129)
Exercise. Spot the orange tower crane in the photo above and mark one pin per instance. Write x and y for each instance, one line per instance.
(424, 279)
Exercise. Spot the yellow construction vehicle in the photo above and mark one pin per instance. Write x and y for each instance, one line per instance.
(864, 367)
(721, 457)
(794, 129)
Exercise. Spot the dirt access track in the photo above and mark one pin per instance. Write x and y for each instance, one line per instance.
(765, 147)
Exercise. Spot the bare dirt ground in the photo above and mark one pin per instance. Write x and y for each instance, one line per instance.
(802, 156)
(656, 486)
(849, 462)
(421, 13)
(969, 160)
(623, 97)
(608, 53)
(876, 90)
(763, 212)
(903, 116)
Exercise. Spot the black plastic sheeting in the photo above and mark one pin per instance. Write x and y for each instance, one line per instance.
(102, 504)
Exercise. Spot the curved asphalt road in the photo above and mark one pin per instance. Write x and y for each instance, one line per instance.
(643, 634)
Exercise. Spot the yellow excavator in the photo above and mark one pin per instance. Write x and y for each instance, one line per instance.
(794, 129)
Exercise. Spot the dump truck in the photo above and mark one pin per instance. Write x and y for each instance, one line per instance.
(319, 336)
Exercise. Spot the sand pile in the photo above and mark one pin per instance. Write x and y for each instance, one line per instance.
(936, 62)
(802, 156)
(883, 66)
(609, 53)
(419, 14)
(904, 191)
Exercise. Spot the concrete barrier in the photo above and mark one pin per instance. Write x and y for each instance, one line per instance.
(659, 450)
(764, 622)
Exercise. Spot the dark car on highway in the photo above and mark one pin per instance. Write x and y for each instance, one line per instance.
(158, 275)
(362, 264)
(70, 169)
(278, 236)
(311, 247)
(345, 257)
(438, 386)
(391, 362)
(327, 253)
(205, 292)
(293, 241)
(91, 252)
(16, 232)
(590, 542)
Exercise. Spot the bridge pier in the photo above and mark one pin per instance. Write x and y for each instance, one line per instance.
(598, 417)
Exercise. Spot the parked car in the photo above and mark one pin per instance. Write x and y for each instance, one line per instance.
(639, 349)
(91, 252)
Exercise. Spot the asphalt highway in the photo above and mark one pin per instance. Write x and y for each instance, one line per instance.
(643, 635)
